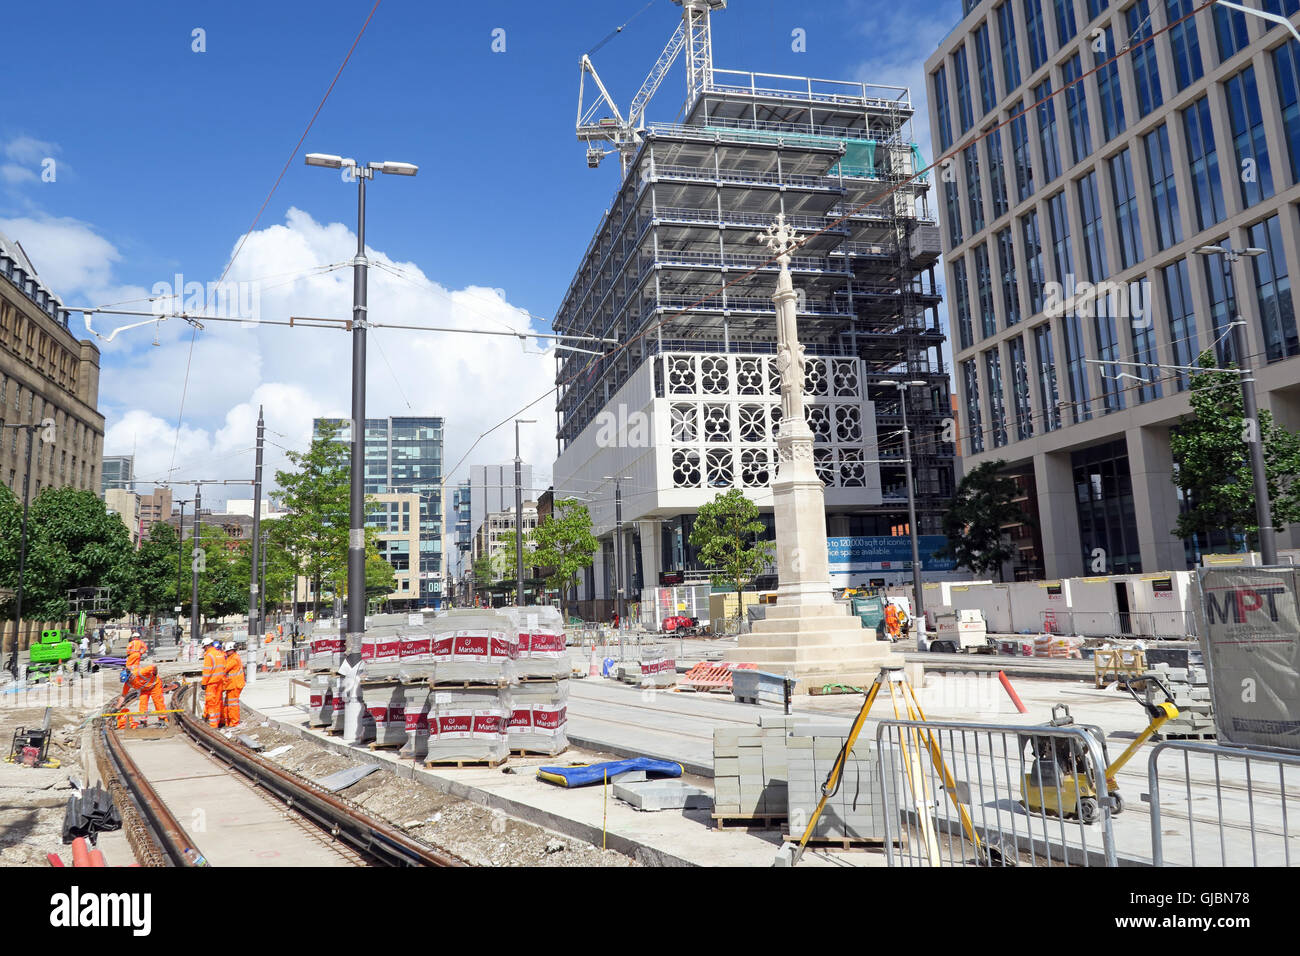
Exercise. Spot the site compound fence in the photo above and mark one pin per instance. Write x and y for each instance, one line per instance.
(1132, 625)
(1217, 805)
(956, 794)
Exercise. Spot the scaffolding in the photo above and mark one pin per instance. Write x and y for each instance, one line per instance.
(666, 268)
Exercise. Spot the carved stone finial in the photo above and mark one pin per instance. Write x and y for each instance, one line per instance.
(780, 238)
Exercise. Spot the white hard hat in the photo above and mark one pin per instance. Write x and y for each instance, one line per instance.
(207, 641)
(230, 645)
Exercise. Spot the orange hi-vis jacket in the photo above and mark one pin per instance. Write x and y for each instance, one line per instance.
(233, 670)
(214, 667)
(134, 651)
(142, 677)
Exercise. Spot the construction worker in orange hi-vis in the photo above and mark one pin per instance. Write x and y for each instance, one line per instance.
(145, 679)
(134, 652)
(233, 684)
(213, 680)
(891, 621)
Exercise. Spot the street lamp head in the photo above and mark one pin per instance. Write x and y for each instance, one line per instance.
(916, 384)
(328, 160)
(888, 381)
(1253, 251)
(1210, 250)
(396, 169)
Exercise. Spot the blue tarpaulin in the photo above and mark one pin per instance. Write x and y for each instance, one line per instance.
(586, 774)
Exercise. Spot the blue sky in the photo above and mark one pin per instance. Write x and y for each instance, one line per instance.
(165, 154)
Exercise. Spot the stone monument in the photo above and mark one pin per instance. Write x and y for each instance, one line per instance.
(806, 634)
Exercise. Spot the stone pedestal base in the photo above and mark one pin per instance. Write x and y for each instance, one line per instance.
(815, 644)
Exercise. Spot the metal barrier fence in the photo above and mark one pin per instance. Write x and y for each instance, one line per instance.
(1166, 625)
(1213, 805)
(960, 794)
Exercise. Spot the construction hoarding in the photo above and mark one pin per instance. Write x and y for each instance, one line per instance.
(1251, 637)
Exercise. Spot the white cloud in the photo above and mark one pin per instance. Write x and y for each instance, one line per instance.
(473, 381)
(28, 150)
(74, 261)
(13, 174)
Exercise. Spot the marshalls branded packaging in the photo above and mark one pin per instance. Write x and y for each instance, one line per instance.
(539, 717)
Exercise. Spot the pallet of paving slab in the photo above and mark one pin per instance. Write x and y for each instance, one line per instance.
(750, 821)
(374, 745)
(837, 843)
(545, 680)
(450, 763)
(526, 752)
(464, 684)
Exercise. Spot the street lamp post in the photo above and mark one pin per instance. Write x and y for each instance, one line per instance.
(180, 562)
(918, 609)
(22, 548)
(519, 514)
(1255, 442)
(619, 557)
(357, 503)
(194, 563)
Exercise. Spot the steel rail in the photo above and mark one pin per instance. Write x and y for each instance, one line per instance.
(367, 834)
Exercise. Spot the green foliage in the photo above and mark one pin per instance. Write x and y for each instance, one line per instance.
(726, 535)
(1212, 460)
(73, 542)
(154, 572)
(381, 580)
(565, 545)
(485, 574)
(315, 493)
(983, 505)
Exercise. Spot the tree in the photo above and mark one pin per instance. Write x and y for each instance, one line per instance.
(1212, 460)
(565, 545)
(503, 560)
(315, 493)
(983, 505)
(726, 535)
(153, 572)
(485, 574)
(380, 578)
(73, 542)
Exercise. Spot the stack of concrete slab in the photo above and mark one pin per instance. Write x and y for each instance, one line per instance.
(751, 770)
(539, 717)
(320, 702)
(1190, 687)
(477, 648)
(325, 649)
(543, 647)
(757, 687)
(856, 811)
(425, 706)
(658, 668)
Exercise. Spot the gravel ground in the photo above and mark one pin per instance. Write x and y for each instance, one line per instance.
(476, 834)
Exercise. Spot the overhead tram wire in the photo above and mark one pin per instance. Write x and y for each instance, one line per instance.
(617, 30)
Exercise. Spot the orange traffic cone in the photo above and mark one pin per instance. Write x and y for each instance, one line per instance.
(593, 669)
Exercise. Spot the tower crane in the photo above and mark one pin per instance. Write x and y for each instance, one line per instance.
(624, 132)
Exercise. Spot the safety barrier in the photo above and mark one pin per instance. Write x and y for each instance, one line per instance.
(961, 794)
(1117, 663)
(1214, 805)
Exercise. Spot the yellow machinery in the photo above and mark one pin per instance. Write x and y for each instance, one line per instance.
(1061, 780)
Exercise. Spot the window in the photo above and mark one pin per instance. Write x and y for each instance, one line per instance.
(1037, 37)
(1286, 8)
(1096, 8)
(1273, 288)
(974, 196)
(984, 67)
(1142, 58)
(1103, 325)
(974, 421)
(1126, 210)
(1108, 91)
(1182, 317)
(1020, 157)
(1254, 174)
(1020, 404)
(1076, 368)
(939, 81)
(952, 203)
(1062, 255)
(1065, 25)
(1104, 500)
(1033, 246)
(997, 410)
(1207, 192)
(965, 116)
(1229, 30)
(1076, 110)
(1183, 40)
(1094, 242)
(1007, 276)
(1048, 396)
(1223, 298)
(1286, 66)
(1047, 131)
(984, 291)
(1164, 192)
(997, 173)
(1007, 40)
(961, 293)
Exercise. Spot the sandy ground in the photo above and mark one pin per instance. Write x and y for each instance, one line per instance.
(475, 834)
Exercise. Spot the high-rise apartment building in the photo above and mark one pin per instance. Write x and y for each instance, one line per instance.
(117, 471)
(403, 456)
(1072, 215)
(676, 273)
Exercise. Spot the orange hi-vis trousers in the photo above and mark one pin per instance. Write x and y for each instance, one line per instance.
(212, 703)
(230, 713)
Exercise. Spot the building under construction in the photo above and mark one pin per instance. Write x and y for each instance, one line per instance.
(676, 274)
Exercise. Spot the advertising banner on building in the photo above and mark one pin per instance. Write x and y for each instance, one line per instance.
(1252, 647)
(865, 553)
